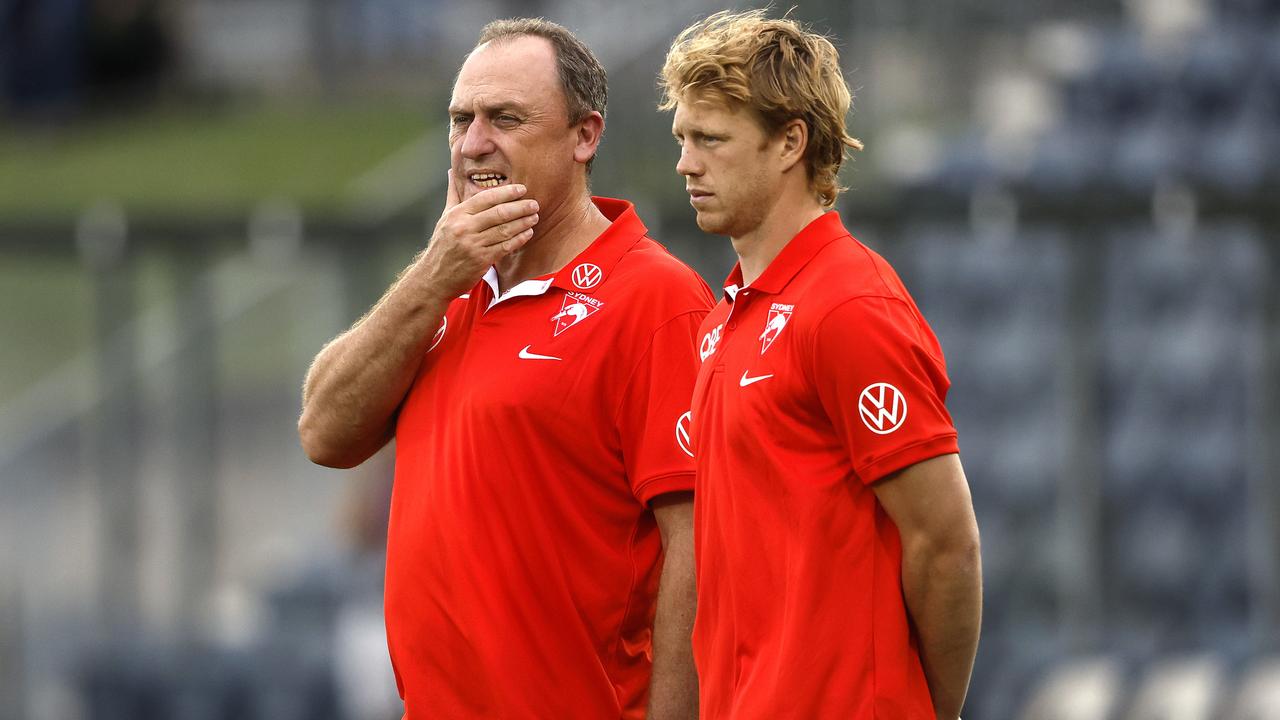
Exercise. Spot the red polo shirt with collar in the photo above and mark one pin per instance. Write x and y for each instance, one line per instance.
(817, 380)
(522, 557)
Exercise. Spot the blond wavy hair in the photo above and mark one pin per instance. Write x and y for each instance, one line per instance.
(777, 68)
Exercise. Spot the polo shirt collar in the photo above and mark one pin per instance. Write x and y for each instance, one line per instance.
(797, 253)
(588, 271)
(535, 286)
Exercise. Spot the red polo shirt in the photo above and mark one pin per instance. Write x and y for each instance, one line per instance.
(522, 557)
(818, 379)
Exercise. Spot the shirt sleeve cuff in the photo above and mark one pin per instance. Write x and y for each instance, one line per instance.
(908, 456)
(652, 487)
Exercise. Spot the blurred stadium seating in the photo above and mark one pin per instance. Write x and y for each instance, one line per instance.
(1097, 246)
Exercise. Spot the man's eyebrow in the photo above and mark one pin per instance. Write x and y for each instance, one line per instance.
(494, 109)
(509, 106)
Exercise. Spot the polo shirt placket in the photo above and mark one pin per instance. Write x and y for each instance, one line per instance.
(818, 379)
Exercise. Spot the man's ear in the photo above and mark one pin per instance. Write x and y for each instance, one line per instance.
(795, 141)
(589, 132)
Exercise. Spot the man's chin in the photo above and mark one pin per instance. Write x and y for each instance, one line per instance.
(711, 223)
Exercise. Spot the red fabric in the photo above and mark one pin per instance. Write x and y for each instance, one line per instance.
(522, 558)
(800, 608)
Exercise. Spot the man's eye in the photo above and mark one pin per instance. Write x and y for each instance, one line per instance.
(459, 120)
(505, 119)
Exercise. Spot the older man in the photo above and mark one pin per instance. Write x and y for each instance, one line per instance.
(837, 551)
(534, 365)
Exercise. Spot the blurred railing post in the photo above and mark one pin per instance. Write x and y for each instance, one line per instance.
(102, 241)
(196, 487)
(325, 53)
(1264, 535)
(1079, 506)
(363, 280)
(12, 660)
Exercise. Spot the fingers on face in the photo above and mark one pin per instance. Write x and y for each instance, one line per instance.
(452, 196)
(516, 242)
(506, 212)
(511, 229)
(498, 219)
(490, 197)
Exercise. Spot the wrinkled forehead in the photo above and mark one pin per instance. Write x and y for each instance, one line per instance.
(518, 70)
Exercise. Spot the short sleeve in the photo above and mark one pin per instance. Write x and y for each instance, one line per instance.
(882, 381)
(653, 416)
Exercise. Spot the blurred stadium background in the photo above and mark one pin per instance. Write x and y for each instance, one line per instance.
(196, 194)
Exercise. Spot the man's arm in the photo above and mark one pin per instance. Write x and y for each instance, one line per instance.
(941, 571)
(359, 380)
(673, 690)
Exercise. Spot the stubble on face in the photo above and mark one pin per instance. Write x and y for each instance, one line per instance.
(741, 205)
(737, 171)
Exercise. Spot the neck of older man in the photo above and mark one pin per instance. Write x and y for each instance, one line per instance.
(562, 232)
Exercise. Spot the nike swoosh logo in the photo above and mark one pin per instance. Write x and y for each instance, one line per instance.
(526, 355)
(745, 381)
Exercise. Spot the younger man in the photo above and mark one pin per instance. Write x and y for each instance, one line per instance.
(838, 572)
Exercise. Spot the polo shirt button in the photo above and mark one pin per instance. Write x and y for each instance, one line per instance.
(733, 325)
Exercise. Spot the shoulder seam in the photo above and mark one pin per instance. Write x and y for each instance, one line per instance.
(867, 252)
(817, 325)
(862, 296)
(665, 260)
(647, 348)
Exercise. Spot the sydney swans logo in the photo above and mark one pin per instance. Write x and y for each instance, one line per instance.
(779, 314)
(575, 308)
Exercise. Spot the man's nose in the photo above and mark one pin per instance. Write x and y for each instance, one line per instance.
(686, 165)
(478, 140)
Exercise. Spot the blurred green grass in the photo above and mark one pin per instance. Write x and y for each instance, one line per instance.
(46, 318)
(171, 163)
(189, 162)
